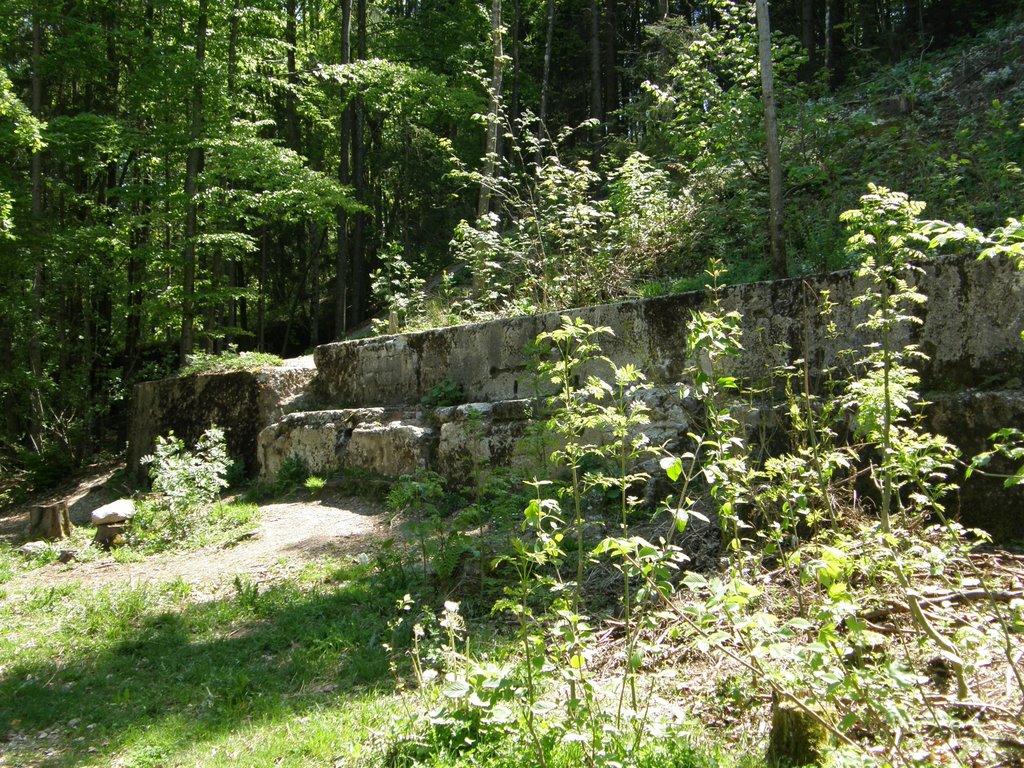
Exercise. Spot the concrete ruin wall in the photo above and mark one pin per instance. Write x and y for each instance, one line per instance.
(241, 403)
(970, 329)
(362, 409)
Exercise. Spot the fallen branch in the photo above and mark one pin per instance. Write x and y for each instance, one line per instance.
(952, 598)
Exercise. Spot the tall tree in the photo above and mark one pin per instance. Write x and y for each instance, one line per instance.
(192, 169)
(775, 234)
(341, 263)
(494, 116)
(35, 343)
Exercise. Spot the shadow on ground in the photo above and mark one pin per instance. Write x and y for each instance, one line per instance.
(120, 669)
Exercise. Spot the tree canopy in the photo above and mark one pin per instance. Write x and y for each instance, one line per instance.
(184, 176)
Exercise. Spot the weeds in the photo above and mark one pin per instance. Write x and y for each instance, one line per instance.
(184, 481)
(844, 621)
(864, 617)
(229, 360)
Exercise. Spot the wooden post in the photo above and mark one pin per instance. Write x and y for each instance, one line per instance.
(49, 521)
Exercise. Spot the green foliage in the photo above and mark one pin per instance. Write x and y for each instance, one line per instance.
(186, 483)
(446, 392)
(884, 233)
(1009, 443)
(229, 360)
(397, 289)
(576, 236)
(153, 530)
(19, 132)
(239, 670)
(425, 506)
(825, 658)
(293, 474)
(797, 601)
(565, 354)
(314, 484)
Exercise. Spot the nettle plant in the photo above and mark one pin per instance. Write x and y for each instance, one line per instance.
(839, 607)
(554, 692)
(836, 657)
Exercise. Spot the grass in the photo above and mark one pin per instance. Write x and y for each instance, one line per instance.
(153, 530)
(229, 360)
(155, 676)
(292, 674)
(150, 532)
(14, 563)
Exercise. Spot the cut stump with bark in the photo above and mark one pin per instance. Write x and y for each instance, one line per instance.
(796, 737)
(49, 522)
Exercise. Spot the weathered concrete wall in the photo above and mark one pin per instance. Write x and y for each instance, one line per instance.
(361, 410)
(240, 402)
(970, 328)
(968, 418)
(385, 441)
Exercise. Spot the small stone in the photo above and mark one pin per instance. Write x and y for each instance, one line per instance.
(114, 512)
(34, 548)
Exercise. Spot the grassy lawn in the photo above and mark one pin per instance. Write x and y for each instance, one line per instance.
(161, 676)
(293, 674)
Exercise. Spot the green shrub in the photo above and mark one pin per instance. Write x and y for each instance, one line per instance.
(446, 392)
(229, 360)
(185, 482)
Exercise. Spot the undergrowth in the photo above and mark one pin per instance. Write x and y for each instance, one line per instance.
(845, 597)
(847, 621)
(229, 360)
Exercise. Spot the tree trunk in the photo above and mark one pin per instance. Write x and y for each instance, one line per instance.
(344, 178)
(610, 53)
(291, 110)
(315, 240)
(778, 244)
(261, 299)
(360, 272)
(234, 264)
(515, 100)
(596, 102)
(35, 351)
(192, 166)
(808, 34)
(545, 85)
(835, 42)
(139, 242)
(494, 112)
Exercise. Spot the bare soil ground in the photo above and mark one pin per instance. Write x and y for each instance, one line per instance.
(286, 535)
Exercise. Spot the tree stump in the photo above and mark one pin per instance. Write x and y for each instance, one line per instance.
(49, 521)
(109, 536)
(796, 738)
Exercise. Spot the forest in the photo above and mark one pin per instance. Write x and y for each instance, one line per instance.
(716, 566)
(188, 177)
(184, 178)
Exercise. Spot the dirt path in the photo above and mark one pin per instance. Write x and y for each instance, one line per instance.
(288, 534)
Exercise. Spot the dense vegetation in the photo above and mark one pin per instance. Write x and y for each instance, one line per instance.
(185, 176)
(807, 602)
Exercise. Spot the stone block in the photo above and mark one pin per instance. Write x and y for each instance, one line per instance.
(115, 512)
